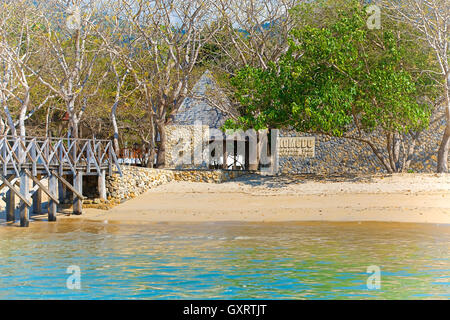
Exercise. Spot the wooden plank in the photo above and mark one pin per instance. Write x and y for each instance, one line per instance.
(68, 185)
(75, 151)
(42, 187)
(10, 179)
(66, 154)
(40, 154)
(44, 160)
(24, 204)
(34, 157)
(116, 162)
(11, 187)
(92, 156)
(26, 150)
(52, 185)
(3, 151)
(11, 155)
(53, 149)
(97, 162)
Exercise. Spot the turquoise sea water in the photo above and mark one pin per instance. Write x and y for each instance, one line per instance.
(225, 261)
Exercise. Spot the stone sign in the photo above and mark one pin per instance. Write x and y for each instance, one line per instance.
(301, 147)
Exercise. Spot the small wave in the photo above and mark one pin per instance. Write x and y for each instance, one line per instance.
(242, 238)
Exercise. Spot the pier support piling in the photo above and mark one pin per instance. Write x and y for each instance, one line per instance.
(78, 185)
(62, 192)
(53, 188)
(37, 199)
(102, 185)
(10, 206)
(23, 208)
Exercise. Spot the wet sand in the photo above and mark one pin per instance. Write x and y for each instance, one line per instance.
(410, 198)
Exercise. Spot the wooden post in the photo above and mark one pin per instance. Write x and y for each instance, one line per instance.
(102, 185)
(37, 199)
(78, 185)
(53, 188)
(23, 208)
(10, 206)
(62, 192)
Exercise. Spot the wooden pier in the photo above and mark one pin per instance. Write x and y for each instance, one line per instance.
(57, 160)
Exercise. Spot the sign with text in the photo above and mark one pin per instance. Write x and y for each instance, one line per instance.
(301, 147)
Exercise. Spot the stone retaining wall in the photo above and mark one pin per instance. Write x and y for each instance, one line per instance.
(137, 180)
(338, 155)
(332, 155)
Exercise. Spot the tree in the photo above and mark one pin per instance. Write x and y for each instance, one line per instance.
(72, 49)
(340, 79)
(115, 37)
(254, 32)
(431, 19)
(172, 32)
(132, 65)
(16, 51)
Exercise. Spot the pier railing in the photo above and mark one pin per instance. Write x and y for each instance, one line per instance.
(32, 158)
(43, 155)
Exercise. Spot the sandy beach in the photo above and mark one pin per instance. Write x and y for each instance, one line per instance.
(413, 198)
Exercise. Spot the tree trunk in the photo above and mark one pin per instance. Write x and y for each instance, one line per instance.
(47, 122)
(115, 129)
(390, 150)
(23, 114)
(151, 156)
(73, 128)
(22, 122)
(161, 156)
(73, 119)
(396, 149)
(443, 149)
(10, 121)
(2, 126)
(379, 156)
(409, 151)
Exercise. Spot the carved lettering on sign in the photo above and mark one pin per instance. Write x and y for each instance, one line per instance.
(301, 147)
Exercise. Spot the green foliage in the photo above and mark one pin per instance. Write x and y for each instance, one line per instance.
(335, 76)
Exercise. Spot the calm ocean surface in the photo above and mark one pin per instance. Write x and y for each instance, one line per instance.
(225, 261)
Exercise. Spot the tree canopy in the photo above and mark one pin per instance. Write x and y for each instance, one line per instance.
(339, 78)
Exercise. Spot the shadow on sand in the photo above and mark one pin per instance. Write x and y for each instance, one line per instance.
(284, 181)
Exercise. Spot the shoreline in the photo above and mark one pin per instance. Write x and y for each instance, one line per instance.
(401, 198)
(404, 198)
(133, 212)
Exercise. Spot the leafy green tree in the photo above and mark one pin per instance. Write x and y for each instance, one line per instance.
(344, 80)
